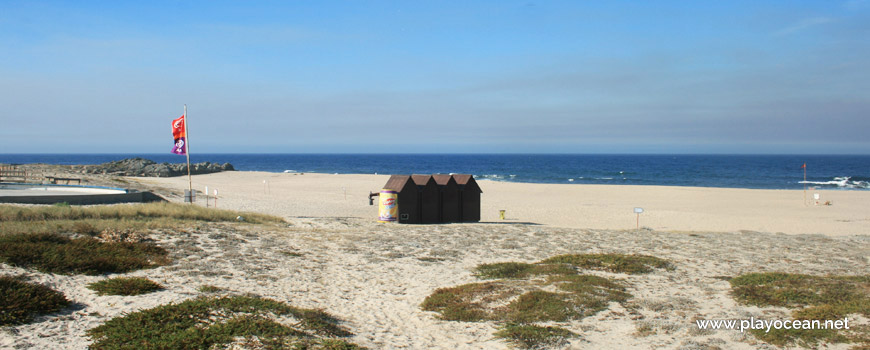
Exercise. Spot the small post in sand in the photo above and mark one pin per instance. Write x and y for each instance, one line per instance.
(638, 211)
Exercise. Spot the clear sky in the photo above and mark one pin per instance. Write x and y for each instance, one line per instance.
(436, 76)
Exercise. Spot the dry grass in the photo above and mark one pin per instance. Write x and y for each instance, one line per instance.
(95, 219)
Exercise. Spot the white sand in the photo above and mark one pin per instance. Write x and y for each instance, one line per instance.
(374, 276)
(575, 206)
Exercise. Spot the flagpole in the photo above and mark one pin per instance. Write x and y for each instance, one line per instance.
(187, 152)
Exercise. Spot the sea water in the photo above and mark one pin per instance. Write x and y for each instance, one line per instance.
(850, 172)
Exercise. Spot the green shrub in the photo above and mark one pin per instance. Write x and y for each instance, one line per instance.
(812, 298)
(521, 270)
(547, 291)
(591, 285)
(581, 296)
(54, 253)
(205, 288)
(534, 337)
(204, 323)
(542, 306)
(467, 302)
(125, 286)
(22, 300)
(618, 263)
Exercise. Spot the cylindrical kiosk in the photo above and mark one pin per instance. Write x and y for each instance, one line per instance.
(388, 206)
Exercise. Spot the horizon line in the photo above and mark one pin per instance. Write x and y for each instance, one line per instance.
(454, 153)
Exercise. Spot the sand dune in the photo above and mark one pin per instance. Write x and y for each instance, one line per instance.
(374, 276)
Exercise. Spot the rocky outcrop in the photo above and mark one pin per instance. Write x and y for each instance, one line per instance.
(145, 167)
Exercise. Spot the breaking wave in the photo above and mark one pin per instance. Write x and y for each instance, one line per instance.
(843, 182)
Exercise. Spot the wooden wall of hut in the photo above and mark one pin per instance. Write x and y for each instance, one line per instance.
(428, 197)
(409, 210)
(469, 197)
(449, 198)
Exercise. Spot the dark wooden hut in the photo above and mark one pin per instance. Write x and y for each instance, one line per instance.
(469, 198)
(409, 211)
(428, 205)
(449, 198)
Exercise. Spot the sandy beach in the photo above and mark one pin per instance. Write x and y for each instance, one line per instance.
(332, 255)
(557, 205)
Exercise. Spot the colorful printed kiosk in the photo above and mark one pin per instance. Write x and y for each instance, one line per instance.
(429, 199)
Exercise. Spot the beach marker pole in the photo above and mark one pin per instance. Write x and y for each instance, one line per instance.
(206, 196)
(638, 211)
(215, 197)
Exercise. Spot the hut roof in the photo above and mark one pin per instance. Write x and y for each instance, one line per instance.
(397, 182)
(442, 179)
(461, 179)
(465, 179)
(421, 180)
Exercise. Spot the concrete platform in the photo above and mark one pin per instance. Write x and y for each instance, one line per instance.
(71, 194)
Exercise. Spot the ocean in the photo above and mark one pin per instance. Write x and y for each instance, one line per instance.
(846, 172)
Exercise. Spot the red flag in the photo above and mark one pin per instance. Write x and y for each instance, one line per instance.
(804, 166)
(179, 135)
(178, 128)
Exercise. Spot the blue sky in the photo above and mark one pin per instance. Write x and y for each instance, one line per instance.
(436, 77)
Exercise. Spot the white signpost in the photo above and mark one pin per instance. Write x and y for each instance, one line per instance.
(638, 211)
